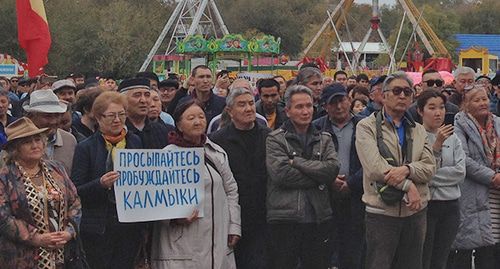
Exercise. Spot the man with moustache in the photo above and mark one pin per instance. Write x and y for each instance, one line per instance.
(45, 111)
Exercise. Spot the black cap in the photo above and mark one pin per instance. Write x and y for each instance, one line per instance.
(483, 76)
(377, 80)
(133, 83)
(332, 91)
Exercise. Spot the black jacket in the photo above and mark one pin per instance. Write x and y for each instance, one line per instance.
(154, 135)
(247, 159)
(355, 177)
(90, 164)
(280, 113)
(213, 107)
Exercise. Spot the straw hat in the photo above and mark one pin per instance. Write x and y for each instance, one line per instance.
(21, 128)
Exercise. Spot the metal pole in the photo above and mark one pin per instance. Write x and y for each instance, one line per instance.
(322, 29)
(163, 33)
(196, 20)
(412, 34)
(338, 37)
(219, 18)
(397, 40)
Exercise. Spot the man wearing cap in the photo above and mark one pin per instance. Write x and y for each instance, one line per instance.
(432, 80)
(301, 164)
(153, 134)
(376, 97)
(211, 103)
(398, 164)
(45, 110)
(65, 90)
(348, 185)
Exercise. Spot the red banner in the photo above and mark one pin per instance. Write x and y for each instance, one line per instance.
(33, 34)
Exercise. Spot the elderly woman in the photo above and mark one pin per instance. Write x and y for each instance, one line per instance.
(108, 243)
(39, 207)
(201, 242)
(479, 227)
(443, 215)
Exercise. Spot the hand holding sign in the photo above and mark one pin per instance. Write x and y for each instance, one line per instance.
(158, 184)
(107, 180)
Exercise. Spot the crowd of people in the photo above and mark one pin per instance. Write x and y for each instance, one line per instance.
(346, 172)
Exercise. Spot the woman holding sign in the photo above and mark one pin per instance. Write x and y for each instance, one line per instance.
(108, 243)
(39, 208)
(205, 242)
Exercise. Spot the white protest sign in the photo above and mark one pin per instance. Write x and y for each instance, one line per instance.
(159, 184)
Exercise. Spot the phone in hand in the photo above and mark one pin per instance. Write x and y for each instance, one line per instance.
(449, 119)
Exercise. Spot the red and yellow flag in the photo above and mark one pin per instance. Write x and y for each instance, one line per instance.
(33, 34)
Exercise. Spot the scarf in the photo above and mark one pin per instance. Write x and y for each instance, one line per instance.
(176, 138)
(490, 141)
(115, 139)
(113, 143)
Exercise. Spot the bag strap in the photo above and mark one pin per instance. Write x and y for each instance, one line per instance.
(384, 150)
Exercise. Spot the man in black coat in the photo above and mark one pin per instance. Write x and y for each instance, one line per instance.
(153, 134)
(245, 143)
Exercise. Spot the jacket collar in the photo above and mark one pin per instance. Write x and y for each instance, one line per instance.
(407, 119)
(290, 131)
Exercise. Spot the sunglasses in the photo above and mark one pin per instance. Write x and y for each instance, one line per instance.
(431, 82)
(398, 90)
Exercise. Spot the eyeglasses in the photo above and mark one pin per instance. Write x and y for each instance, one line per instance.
(431, 82)
(398, 90)
(111, 116)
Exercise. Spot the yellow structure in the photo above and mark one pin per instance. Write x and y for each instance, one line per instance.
(478, 58)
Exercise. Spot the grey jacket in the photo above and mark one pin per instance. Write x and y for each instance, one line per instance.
(450, 169)
(310, 174)
(475, 221)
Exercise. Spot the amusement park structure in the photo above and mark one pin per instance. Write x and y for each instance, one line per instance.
(198, 26)
(190, 17)
(319, 48)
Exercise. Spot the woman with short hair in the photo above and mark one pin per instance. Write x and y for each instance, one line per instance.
(107, 242)
(39, 208)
